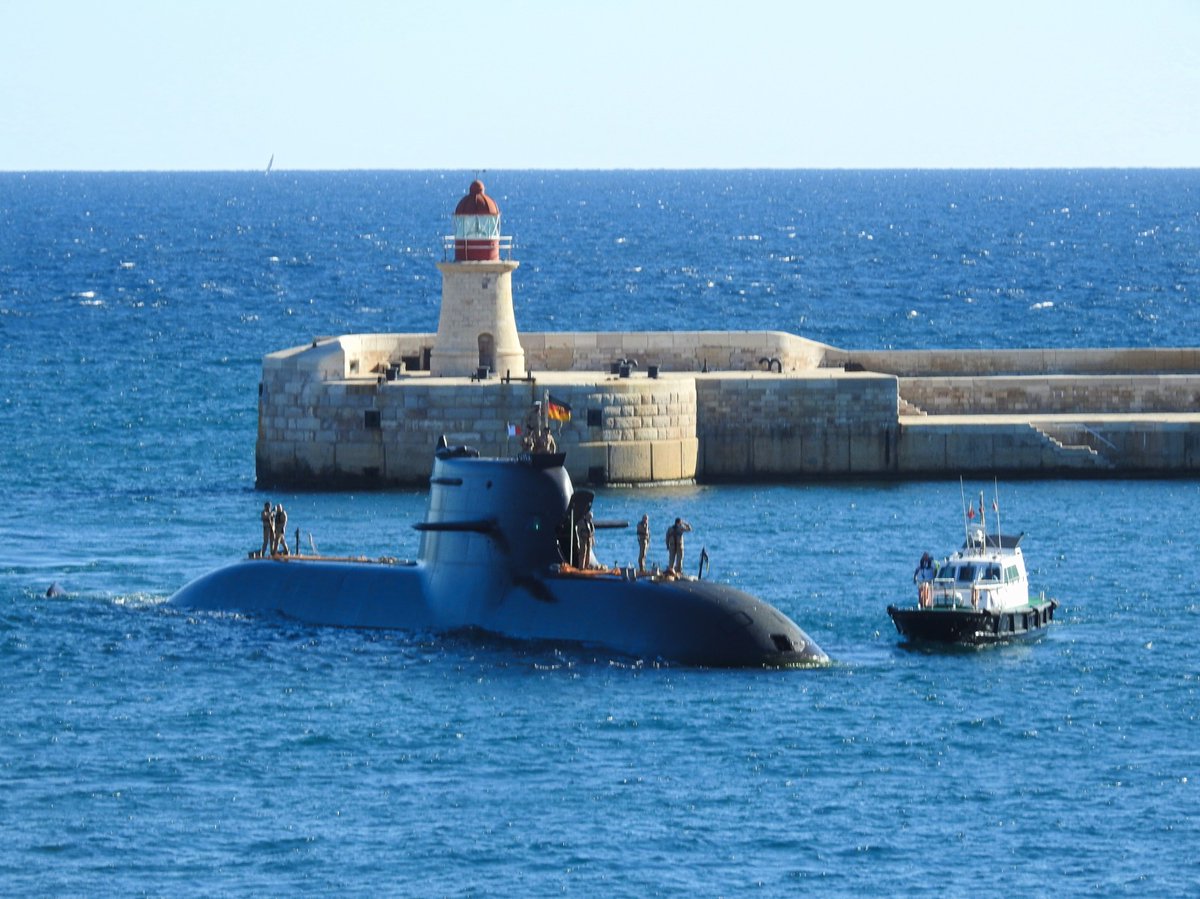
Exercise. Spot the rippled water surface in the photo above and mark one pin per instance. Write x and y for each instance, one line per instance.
(145, 750)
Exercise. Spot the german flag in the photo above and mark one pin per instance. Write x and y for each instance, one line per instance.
(557, 410)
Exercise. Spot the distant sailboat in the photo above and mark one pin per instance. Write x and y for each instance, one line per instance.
(270, 162)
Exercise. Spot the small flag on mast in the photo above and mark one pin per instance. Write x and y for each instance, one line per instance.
(557, 410)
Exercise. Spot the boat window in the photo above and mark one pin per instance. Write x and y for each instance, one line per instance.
(1010, 573)
(945, 573)
(966, 574)
(992, 573)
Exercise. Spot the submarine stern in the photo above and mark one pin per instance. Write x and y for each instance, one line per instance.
(331, 592)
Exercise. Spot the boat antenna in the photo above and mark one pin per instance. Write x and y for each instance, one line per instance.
(982, 522)
(966, 530)
(996, 507)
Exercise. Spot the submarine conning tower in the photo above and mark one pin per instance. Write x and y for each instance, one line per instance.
(495, 512)
(477, 331)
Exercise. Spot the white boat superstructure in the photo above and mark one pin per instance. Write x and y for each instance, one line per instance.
(987, 574)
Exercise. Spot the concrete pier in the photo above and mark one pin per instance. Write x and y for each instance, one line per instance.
(364, 411)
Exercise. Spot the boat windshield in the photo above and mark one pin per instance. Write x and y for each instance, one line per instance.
(966, 574)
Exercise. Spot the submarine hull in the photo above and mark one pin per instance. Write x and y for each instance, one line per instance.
(496, 552)
(317, 591)
(687, 622)
(691, 622)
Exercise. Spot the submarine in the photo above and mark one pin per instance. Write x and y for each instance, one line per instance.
(500, 554)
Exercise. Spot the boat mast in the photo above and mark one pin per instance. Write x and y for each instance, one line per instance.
(996, 507)
(982, 523)
(966, 528)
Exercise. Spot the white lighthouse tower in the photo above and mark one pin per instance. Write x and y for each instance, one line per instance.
(477, 329)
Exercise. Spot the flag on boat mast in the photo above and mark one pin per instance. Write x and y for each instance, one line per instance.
(557, 410)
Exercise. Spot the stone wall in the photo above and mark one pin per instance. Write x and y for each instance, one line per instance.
(921, 363)
(632, 430)
(1102, 447)
(1053, 394)
(692, 351)
(682, 351)
(943, 449)
(336, 413)
(378, 432)
(677, 351)
(758, 426)
(351, 356)
(1163, 445)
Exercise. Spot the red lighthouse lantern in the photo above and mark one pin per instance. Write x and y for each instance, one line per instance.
(476, 227)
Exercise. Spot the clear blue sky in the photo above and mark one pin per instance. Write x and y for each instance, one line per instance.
(461, 84)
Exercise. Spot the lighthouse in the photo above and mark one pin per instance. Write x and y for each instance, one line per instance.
(477, 330)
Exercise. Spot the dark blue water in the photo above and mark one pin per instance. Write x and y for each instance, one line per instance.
(147, 751)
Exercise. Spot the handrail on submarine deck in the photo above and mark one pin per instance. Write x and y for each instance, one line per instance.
(564, 569)
(360, 560)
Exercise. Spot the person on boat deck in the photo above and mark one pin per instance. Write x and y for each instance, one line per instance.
(533, 428)
(643, 538)
(585, 533)
(268, 523)
(280, 544)
(926, 569)
(675, 544)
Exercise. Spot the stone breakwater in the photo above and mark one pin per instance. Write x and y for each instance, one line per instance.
(362, 410)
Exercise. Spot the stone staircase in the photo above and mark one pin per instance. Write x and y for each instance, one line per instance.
(907, 408)
(1076, 454)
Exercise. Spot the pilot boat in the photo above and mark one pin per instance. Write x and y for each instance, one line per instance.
(977, 595)
(500, 553)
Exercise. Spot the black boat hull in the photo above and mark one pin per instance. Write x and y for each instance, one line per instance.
(971, 626)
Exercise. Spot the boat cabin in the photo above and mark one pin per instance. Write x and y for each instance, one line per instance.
(986, 574)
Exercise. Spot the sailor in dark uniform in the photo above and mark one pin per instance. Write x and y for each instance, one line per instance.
(675, 544)
(532, 428)
(585, 530)
(268, 523)
(643, 538)
(280, 531)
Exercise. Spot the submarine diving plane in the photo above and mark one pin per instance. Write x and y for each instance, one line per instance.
(496, 553)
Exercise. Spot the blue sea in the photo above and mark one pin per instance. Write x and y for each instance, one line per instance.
(150, 751)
